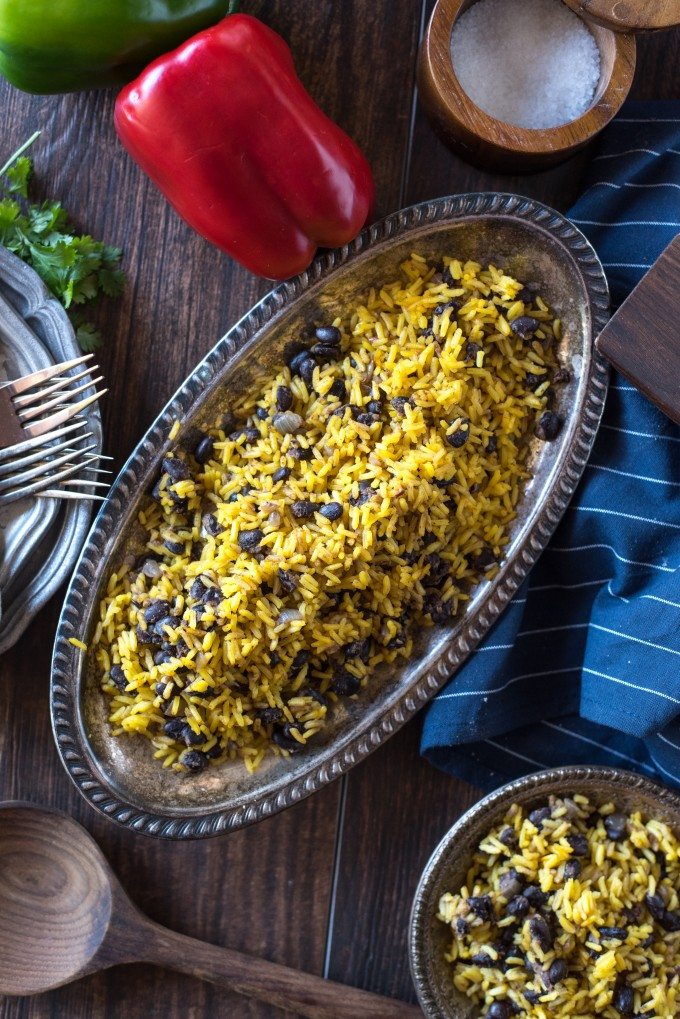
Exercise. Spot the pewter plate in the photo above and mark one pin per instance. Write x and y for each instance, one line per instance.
(119, 776)
(430, 939)
(40, 538)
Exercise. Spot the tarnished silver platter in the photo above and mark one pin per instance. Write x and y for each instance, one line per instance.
(119, 776)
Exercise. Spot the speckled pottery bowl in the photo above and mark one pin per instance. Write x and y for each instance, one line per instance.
(429, 938)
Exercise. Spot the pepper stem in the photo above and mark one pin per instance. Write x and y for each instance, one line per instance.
(233, 7)
(20, 151)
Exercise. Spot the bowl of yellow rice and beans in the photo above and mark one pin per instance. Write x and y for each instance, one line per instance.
(555, 897)
(329, 514)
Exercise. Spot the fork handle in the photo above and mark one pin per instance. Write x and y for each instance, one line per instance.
(11, 431)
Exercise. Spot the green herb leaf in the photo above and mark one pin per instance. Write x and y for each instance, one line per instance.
(75, 268)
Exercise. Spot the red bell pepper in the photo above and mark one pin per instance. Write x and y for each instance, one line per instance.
(226, 130)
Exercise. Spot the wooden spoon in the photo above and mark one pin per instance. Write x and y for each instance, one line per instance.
(63, 914)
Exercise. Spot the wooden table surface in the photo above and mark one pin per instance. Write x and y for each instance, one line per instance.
(325, 886)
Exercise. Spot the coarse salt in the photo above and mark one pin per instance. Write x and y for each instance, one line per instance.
(531, 63)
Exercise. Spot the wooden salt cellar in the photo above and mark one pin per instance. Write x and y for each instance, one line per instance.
(493, 144)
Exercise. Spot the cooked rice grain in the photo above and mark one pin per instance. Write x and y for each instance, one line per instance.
(363, 491)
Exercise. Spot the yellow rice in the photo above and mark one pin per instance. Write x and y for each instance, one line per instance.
(613, 946)
(260, 668)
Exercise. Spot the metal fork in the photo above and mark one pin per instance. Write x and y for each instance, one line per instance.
(19, 408)
(49, 470)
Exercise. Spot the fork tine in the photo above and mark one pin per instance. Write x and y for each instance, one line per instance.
(9, 452)
(14, 466)
(40, 427)
(23, 401)
(86, 481)
(43, 470)
(57, 401)
(9, 495)
(35, 378)
(60, 493)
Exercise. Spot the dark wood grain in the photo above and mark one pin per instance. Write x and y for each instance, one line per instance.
(286, 889)
(641, 339)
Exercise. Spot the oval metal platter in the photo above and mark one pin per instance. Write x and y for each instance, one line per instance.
(119, 776)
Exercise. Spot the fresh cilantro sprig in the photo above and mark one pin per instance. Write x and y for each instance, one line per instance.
(75, 268)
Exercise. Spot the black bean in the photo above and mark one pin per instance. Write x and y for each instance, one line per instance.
(274, 658)
(484, 559)
(460, 436)
(540, 932)
(537, 817)
(306, 370)
(557, 971)
(324, 352)
(296, 360)
(525, 326)
(397, 642)
(462, 927)
(510, 883)
(300, 659)
(212, 596)
(471, 351)
(298, 452)
(165, 689)
(261, 413)
(482, 959)
(155, 610)
(194, 760)
(191, 738)
(374, 407)
(358, 649)
(615, 826)
(146, 637)
(331, 511)
(532, 381)
(175, 728)
(492, 444)
(176, 469)
(315, 695)
(535, 896)
(670, 921)
(623, 998)
(251, 434)
(400, 403)
(204, 449)
(344, 683)
(561, 377)
(655, 905)
(288, 581)
(302, 509)
(338, 389)
(269, 715)
(248, 540)
(508, 836)
(572, 868)
(438, 609)
(117, 677)
(328, 334)
(519, 906)
(366, 419)
(579, 844)
(176, 547)
(365, 493)
(284, 398)
(615, 933)
(212, 525)
(531, 996)
(281, 474)
(481, 906)
(284, 738)
(549, 426)
(162, 658)
(499, 1010)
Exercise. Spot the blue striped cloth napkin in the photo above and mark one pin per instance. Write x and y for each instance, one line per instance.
(584, 665)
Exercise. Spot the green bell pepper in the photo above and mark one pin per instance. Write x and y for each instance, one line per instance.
(65, 45)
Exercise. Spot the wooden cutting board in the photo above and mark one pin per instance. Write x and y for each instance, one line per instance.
(642, 340)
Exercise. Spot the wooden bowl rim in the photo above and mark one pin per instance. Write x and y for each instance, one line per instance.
(510, 137)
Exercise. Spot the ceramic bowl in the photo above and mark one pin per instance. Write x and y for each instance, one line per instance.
(119, 776)
(429, 938)
(493, 144)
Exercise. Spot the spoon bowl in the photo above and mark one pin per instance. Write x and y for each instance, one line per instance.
(55, 899)
(63, 914)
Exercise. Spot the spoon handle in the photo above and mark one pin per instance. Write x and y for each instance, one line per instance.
(291, 989)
